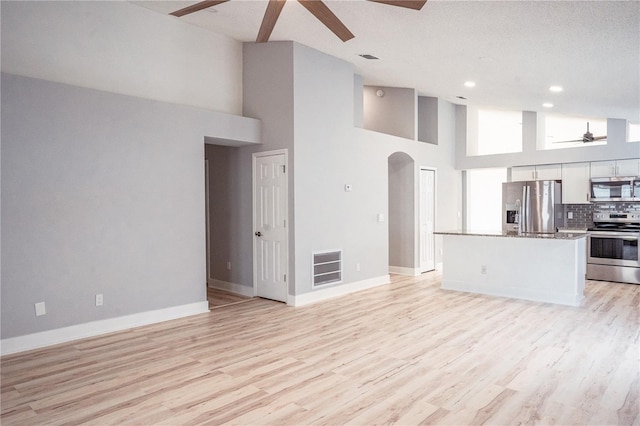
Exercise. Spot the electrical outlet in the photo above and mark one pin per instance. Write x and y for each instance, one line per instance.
(99, 299)
(357, 267)
(228, 265)
(483, 269)
(569, 215)
(40, 309)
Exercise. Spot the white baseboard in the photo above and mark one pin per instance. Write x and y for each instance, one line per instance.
(242, 290)
(514, 291)
(401, 270)
(94, 328)
(336, 291)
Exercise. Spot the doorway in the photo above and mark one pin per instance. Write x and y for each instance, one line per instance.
(225, 227)
(427, 190)
(270, 217)
(402, 215)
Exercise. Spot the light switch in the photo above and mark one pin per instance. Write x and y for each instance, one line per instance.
(40, 309)
(380, 217)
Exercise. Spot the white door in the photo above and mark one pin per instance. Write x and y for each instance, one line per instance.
(270, 225)
(427, 220)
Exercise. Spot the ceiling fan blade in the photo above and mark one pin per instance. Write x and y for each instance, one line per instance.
(274, 7)
(197, 7)
(583, 140)
(409, 4)
(328, 18)
(573, 141)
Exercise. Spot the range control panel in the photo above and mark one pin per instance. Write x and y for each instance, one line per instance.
(616, 217)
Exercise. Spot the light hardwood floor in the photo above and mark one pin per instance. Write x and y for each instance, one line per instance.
(405, 353)
(217, 298)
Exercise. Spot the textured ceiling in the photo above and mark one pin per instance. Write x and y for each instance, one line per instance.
(513, 50)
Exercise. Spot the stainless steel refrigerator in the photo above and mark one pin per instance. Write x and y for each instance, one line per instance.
(532, 207)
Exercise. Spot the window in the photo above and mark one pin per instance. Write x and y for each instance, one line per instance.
(496, 131)
(562, 131)
(484, 199)
(633, 132)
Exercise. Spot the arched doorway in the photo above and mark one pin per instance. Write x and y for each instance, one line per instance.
(402, 218)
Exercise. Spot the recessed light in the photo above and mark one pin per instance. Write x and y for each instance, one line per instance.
(368, 56)
(469, 84)
(556, 89)
(461, 97)
(547, 105)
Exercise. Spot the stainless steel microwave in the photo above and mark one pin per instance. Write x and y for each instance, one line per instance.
(615, 189)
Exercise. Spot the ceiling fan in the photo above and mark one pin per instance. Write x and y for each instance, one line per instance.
(586, 138)
(316, 7)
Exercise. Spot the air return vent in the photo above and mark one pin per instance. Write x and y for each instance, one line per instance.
(327, 267)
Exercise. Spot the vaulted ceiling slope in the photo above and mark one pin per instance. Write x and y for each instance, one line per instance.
(513, 50)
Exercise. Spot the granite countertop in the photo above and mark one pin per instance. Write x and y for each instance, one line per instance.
(514, 234)
(574, 230)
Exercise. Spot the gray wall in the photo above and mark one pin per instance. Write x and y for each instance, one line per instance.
(328, 152)
(268, 94)
(428, 119)
(395, 113)
(104, 193)
(101, 193)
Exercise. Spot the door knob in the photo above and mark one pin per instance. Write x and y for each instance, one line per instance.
(258, 234)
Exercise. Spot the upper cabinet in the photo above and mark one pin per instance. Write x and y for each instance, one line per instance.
(615, 168)
(545, 172)
(575, 183)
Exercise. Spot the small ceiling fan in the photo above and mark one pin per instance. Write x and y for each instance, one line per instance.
(586, 138)
(316, 7)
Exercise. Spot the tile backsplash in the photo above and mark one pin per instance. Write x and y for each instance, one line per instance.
(582, 216)
(583, 213)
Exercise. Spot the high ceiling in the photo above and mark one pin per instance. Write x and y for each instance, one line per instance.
(513, 50)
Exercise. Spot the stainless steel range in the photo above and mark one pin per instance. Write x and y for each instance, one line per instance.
(612, 247)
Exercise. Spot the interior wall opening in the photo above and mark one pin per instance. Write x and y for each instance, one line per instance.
(222, 212)
(402, 219)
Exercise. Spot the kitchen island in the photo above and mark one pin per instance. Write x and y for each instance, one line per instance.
(540, 267)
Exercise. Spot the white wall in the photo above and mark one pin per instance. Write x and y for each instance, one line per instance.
(119, 47)
(617, 146)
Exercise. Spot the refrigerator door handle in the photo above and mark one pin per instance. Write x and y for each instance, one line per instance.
(522, 225)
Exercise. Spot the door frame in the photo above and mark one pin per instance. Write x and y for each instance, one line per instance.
(207, 210)
(254, 157)
(420, 207)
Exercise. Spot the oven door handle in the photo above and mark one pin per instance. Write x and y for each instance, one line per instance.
(618, 235)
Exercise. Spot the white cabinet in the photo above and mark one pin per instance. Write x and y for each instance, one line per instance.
(628, 167)
(575, 183)
(523, 173)
(545, 172)
(615, 168)
(549, 172)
